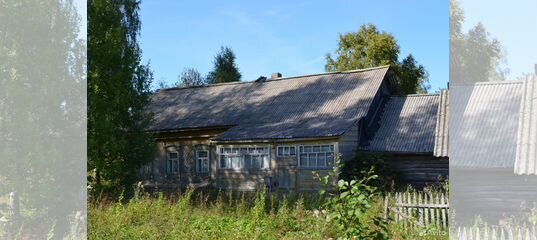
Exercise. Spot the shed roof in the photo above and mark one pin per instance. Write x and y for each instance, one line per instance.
(407, 124)
(284, 108)
(484, 122)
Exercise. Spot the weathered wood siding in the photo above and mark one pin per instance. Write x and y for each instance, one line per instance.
(241, 180)
(307, 180)
(370, 124)
(286, 165)
(418, 170)
(491, 193)
(348, 143)
(187, 163)
(185, 143)
(294, 178)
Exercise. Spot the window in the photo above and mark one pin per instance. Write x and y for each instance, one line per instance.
(284, 151)
(316, 156)
(172, 165)
(146, 169)
(284, 178)
(202, 161)
(254, 157)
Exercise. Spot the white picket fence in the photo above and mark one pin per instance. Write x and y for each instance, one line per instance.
(495, 233)
(421, 209)
(12, 214)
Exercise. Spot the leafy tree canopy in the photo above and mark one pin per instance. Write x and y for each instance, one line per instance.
(190, 77)
(474, 55)
(118, 93)
(370, 47)
(42, 116)
(225, 69)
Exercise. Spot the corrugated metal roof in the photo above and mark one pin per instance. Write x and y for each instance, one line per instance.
(307, 106)
(407, 124)
(484, 124)
(526, 157)
(442, 125)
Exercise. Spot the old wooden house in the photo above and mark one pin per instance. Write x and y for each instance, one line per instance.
(275, 132)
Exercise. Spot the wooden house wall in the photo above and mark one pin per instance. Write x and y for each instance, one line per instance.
(249, 180)
(305, 180)
(418, 170)
(244, 179)
(348, 143)
(410, 169)
(369, 125)
(187, 163)
(492, 194)
(185, 143)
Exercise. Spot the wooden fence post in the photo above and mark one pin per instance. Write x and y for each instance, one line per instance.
(386, 207)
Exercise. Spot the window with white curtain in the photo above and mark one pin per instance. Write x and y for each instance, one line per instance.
(251, 157)
(316, 156)
(285, 151)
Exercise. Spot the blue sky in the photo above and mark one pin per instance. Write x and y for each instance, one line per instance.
(290, 37)
(514, 24)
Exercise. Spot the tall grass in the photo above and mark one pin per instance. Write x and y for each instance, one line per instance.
(198, 216)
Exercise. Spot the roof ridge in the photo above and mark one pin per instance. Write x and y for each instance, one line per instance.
(417, 95)
(337, 72)
(500, 82)
(277, 79)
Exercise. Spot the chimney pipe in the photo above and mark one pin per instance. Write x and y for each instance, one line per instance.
(535, 69)
(276, 75)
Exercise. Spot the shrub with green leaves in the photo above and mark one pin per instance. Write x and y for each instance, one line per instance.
(359, 166)
(348, 208)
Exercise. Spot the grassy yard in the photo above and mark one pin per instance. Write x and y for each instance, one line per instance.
(200, 217)
(225, 216)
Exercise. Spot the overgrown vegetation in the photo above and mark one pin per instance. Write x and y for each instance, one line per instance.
(258, 215)
(204, 216)
(346, 209)
(359, 166)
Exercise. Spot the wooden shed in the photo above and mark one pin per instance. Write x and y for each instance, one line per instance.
(412, 129)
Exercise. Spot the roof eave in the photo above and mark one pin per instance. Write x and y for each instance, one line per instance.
(269, 140)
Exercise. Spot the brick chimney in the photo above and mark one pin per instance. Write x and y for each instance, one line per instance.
(276, 75)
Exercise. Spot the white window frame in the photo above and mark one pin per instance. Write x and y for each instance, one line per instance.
(241, 159)
(170, 169)
(199, 159)
(280, 151)
(302, 150)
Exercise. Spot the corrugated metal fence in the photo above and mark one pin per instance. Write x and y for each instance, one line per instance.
(419, 209)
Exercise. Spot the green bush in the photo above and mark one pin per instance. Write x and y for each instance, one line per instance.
(359, 166)
(348, 208)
